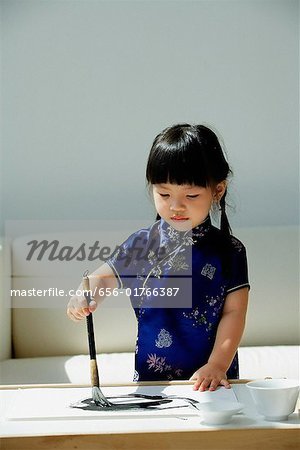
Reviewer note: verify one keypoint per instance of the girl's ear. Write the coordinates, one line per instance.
(220, 190)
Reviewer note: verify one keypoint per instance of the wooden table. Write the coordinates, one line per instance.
(247, 431)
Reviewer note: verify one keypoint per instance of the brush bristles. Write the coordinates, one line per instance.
(98, 398)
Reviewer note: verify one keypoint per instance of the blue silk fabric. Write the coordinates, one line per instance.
(177, 328)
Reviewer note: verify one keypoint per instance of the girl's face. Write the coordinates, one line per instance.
(185, 206)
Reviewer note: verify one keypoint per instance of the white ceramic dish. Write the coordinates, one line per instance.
(218, 413)
(274, 398)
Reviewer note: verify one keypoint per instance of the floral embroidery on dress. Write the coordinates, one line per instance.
(114, 258)
(140, 311)
(237, 244)
(173, 234)
(177, 263)
(164, 339)
(214, 306)
(216, 303)
(196, 317)
(156, 272)
(188, 240)
(208, 271)
(152, 257)
(158, 364)
(198, 234)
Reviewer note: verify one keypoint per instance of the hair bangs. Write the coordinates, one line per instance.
(183, 166)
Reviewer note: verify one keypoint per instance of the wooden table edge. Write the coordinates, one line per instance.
(229, 439)
(129, 383)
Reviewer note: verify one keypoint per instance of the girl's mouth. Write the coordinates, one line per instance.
(179, 218)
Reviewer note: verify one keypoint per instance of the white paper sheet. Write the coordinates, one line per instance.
(54, 403)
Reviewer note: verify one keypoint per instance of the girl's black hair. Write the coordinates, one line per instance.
(189, 154)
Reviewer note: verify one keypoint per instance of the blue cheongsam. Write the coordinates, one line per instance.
(178, 282)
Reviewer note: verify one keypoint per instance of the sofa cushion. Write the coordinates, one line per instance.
(113, 368)
(278, 361)
(255, 362)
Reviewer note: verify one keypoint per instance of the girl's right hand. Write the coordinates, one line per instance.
(78, 308)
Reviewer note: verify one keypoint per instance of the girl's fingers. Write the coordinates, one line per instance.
(201, 384)
(78, 308)
(72, 315)
(205, 384)
(92, 306)
(196, 386)
(81, 304)
(224, 382)
(76, 315)
(86, 307)
(213, 385)
(198, 382)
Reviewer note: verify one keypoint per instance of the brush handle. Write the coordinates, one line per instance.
(94, 373)
(92, 349)
(86, 288)
(91, 336)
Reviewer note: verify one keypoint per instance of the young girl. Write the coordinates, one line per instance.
(192, 330)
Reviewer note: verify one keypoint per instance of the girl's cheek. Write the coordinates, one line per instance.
(158, 204)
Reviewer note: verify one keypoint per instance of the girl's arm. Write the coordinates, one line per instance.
(229, 334)
(103, 278)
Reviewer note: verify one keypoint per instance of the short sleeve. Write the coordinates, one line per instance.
(121, 264)
(129, 260)
(239, 267)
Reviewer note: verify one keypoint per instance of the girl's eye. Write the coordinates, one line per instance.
(164, 195)
(193, 196)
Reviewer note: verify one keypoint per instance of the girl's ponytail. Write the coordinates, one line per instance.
(224, 225)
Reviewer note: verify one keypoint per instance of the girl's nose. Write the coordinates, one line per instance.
(177, 206)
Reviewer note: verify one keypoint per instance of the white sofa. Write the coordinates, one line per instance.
(39, 344)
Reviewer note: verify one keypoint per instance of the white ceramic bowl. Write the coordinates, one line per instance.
(274, 398)
(218, 413)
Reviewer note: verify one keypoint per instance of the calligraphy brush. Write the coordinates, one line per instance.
(97, 395)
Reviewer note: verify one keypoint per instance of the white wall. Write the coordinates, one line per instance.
(86, 86)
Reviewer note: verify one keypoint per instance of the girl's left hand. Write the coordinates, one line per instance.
(209, 377)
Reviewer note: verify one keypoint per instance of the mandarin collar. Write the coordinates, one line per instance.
(169, 235)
